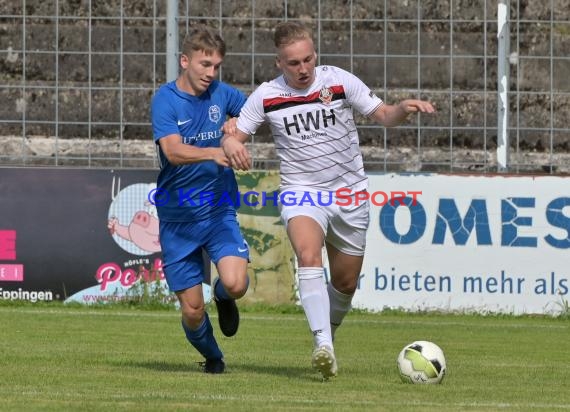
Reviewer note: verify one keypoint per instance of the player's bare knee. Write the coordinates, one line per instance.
(309, 258)
(238, 293)
(236, 286)
(345, 285)
(192, 314)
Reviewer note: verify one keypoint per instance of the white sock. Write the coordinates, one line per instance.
(315, 301)
(340, 305)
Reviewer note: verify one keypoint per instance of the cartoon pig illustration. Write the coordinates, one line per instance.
(142, 230)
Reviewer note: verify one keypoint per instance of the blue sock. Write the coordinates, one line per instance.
(203, 339)
(220, 292)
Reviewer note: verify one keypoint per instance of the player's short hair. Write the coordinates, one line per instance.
(202, 38)
(290, 31)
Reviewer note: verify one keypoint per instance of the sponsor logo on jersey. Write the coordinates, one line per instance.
(215, 134)
(305, 120)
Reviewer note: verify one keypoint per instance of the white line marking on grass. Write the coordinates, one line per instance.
(463, 405)
(280, 399)
(124, 399)
(105, 312)
(267, 400)
(503, 405)
(435, 322)
(490, 322)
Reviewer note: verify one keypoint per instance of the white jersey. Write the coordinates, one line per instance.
(314, 131)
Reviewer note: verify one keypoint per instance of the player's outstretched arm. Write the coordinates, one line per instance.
(179, 153)
(393, 115)
(235, 150)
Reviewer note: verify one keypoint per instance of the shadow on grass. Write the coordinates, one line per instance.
(297, 373)
(288, 371)
(162, 366)
(192, 367)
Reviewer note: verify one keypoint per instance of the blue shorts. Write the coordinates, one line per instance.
(182, 244)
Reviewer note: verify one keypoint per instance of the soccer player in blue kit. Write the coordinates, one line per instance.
(187, 119)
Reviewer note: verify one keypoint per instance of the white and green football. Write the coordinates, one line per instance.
(421, 362)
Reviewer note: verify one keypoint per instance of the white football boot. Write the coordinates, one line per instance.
(324, 361)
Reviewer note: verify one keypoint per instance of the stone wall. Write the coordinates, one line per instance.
(77, 87)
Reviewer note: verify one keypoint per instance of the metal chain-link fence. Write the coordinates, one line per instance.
(77, 77)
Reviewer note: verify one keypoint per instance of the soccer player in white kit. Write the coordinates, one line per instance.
(310, 112)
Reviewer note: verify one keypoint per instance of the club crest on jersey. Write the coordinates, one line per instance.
(214, 113)
(326, 95)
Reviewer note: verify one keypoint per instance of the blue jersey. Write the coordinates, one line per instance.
(201, 190)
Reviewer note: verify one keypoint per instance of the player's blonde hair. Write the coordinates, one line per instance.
(289, 32)
(202, 38)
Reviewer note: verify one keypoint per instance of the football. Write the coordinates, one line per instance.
(421, 362)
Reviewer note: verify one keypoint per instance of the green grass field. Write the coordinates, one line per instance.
(87, 359)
